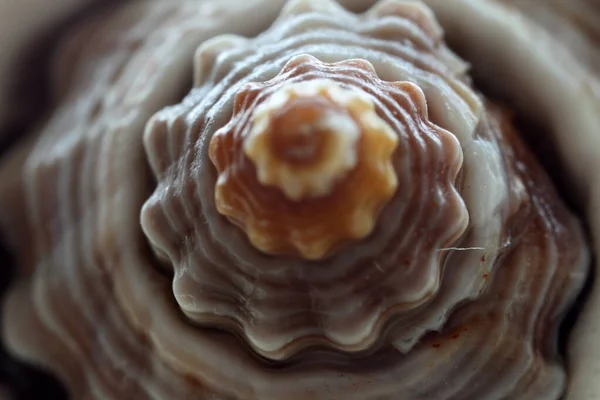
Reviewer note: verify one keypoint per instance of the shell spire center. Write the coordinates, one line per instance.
(306, 162)
(303, 138)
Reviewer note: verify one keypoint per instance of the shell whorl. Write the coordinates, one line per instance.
(193, 252)
(404, 271)
(337, 192)
(303, 139)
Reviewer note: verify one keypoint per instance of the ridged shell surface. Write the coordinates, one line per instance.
(159, 262)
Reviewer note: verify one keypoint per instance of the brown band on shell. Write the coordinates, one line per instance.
(324, 150)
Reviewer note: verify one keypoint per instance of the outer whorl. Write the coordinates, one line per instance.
(411, 248)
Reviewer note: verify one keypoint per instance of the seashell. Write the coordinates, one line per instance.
(304, 199)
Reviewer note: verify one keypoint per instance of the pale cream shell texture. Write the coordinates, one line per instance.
(134, 286)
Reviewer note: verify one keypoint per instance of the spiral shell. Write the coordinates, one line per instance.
(172, 249)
